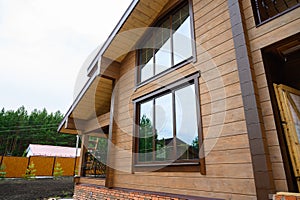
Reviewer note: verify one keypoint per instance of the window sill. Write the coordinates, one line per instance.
(193, 166)
(153, 78)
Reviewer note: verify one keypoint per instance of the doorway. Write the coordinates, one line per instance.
(282, 67)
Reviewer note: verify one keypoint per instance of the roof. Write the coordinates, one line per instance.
(133, 24)
(49, 150)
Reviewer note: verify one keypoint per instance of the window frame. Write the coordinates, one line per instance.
(148, 34)
(193, 165)
(257, 13)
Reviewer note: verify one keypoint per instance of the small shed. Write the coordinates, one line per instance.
(50, 150)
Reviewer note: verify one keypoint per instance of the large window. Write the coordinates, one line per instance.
(95, 153)
(168, 45)
(168, 125)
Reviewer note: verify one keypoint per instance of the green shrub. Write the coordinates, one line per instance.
(2, 171)
(30, 172)
(58, 171)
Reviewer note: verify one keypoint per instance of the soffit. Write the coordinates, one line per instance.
(96, 100)
(143, 15)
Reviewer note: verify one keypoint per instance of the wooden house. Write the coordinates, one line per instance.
(175, 77)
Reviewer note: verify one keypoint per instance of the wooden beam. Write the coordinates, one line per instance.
(109, 68)
(74, 124)
(96, 123)
(70, 131)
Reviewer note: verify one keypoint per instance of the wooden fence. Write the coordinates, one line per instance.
(16, 166)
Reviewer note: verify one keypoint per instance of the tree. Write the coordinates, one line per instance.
(30, 172)
(145, 139)
(58, 171)
(195, 143)
(2, 171)
(18, 129)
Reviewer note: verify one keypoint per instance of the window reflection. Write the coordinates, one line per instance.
(147, 60)
(163, 53)
(160, 117)
(164, 127)
(186, 123)
(169, 45)
(182, 39)
(146, 132)
(147, 70)
(94, 160)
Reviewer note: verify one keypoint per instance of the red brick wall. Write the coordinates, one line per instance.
(85, 191)
(287, 196)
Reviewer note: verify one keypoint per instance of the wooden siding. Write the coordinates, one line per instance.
(228, 162)
(260, 37)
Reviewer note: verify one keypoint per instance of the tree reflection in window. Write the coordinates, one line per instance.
(168, 128)
(186, 122)
(146, 132)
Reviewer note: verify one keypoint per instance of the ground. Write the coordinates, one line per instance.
(13, 189)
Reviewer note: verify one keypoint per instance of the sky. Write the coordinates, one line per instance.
(43, 45)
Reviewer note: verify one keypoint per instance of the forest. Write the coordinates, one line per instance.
(19, 128)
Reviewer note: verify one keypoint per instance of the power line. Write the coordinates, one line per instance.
(27, 129)
(33, 125)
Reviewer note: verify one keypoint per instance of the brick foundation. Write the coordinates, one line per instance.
(86, 191)
(286, 196)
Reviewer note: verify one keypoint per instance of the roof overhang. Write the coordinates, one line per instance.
(92, 101)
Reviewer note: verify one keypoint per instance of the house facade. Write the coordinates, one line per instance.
(192, 99)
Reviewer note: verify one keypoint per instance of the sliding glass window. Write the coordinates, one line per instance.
(168, 126)
(167, 45)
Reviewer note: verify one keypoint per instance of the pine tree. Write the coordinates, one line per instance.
(58, 171)
(19, 128)
(2, 171)
(30, 172)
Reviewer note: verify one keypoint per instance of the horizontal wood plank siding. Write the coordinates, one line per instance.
(260, 37)
(222, 113)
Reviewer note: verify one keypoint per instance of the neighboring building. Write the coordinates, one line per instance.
(155, 97)
(49, 150)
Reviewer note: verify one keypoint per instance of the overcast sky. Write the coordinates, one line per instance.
(43, 44)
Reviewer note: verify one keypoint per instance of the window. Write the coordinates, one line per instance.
(266, 10)
(94, 155)
(168, 45)
(168, 125)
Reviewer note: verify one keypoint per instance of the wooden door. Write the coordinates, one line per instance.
(288, 100)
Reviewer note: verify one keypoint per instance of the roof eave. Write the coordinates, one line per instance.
(113, 33)
(95, 60)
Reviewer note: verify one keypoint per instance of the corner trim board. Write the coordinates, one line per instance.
(261, 163)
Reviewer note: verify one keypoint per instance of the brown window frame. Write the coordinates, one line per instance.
(192, 165)
(258, 11)
(148, 34)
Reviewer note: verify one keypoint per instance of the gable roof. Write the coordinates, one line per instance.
(134, 23)
(49, 150)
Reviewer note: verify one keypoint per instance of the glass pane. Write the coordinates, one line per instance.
(163, 48)
(186, 123)
(95, 158)
(146, 60)
(182, 39)
(296, 101)
(147, 70)
(164, 128)
(146, 132)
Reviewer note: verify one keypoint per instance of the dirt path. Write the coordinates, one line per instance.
(35, 189)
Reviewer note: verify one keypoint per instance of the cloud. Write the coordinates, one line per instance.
(43, 44)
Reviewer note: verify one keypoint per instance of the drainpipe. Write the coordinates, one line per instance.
(77, 142)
